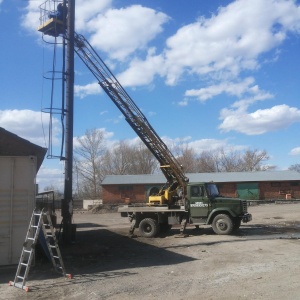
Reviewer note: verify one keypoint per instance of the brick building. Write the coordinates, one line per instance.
(119, 189)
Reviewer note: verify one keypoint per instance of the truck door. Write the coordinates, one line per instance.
(198, 201)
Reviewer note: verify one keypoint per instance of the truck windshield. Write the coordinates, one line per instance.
(212, 190)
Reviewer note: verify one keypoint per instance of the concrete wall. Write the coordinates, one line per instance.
(88, 204)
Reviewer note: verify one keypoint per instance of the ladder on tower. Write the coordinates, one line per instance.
(40, 222)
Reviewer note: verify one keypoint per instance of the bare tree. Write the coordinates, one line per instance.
(295, 167)
(116, 161)
(187, 158)
(207, 162)
(221, 160)
(88, 162)
(58, 194)
(126, 159)
(93, 161)
(252, 160)
(142, 161)
(230, 160)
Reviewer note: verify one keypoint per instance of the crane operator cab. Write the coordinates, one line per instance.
(53, 17)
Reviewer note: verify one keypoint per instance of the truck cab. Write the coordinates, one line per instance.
(207, 206)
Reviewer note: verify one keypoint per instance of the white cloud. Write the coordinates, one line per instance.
(116, 120)
(31, 18)
(30, 125)
(183, 102)
(238, 118)
(247, 89)
(219, 47)
(170, 141)
(260, 121)
(243, 104)
(207, 145)
(142, 72)
(201, 145)
(152, 113)
(48, 177)
(108, 135)
(89, 10)
(85, 11)
(83, 91)
(231, 41)
(120, 32)
(295, 151)
(234, 89)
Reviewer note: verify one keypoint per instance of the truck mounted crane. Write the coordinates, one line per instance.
(178, 201)
(175, 188)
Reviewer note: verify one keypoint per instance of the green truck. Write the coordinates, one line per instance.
(203, 206)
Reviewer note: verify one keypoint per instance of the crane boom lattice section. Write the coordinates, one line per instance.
(136, 119)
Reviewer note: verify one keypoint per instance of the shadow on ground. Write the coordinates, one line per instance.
(99, 253)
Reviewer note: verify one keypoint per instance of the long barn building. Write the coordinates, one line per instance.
(120, 189)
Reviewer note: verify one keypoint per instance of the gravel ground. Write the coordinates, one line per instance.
(260, 261)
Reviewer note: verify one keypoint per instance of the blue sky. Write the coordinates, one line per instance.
(207, 73)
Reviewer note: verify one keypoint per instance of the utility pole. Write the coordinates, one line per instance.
(67, 203)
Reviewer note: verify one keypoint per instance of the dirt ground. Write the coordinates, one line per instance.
(260, 261)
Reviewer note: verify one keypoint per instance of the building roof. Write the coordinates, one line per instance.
(13, 145)
(205, 177)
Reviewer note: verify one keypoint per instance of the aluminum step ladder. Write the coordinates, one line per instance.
(39, 220)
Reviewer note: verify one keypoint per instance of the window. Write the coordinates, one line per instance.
(196, 191)
(212, 190)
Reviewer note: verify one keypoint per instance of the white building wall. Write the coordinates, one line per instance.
(17, 200)
(88, 204)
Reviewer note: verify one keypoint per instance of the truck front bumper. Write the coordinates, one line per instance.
(246, 218)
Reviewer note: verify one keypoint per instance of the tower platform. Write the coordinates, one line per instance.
(52, 27)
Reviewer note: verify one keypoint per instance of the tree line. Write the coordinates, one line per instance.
(93, 160)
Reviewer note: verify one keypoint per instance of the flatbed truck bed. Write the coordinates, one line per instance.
(147, 208)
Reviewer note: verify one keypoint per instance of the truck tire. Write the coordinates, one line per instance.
(222, 224)
(148, 227)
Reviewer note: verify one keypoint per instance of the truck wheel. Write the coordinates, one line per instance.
(222, 224)
(148, 227)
